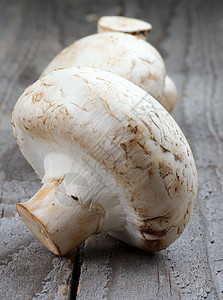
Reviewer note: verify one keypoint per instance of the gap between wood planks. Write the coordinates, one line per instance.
(77, 263)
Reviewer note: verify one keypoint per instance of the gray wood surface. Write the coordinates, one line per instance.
(189, 35)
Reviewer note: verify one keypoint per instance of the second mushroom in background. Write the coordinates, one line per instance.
(121, 48)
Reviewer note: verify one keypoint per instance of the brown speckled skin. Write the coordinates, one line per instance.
(105, 115)
(122, 54)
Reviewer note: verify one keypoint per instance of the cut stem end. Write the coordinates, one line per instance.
(37, 228)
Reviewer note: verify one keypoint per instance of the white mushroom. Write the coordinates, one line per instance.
(133, 26)
(122, 54)
(127, 56)
(140, 29)
(110, 157)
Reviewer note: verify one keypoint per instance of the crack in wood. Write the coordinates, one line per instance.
(2, 213)
(1, 202)
(122, 5)
(77, 262)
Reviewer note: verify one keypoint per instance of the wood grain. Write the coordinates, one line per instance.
(189, 35)
(31, 34)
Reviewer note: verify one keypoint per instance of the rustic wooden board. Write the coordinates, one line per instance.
(31, 34)
(189, 36)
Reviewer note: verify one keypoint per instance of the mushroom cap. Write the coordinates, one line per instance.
(122, 54)
(124, 24)
(137, 164)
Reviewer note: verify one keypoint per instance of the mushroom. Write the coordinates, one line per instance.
(133, 26)
(140, 29)
(110, 157)
(122, 54)
(118, 52)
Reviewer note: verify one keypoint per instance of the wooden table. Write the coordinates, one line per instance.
(189, 35)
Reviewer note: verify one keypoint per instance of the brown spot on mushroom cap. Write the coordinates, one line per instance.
(124, 147)
(165, 169)
(178, 156)
(37, 97)
(164, 148)
(133, 128)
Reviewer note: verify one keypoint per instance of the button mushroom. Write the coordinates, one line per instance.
(110, 157)
(140, 29)
(122, 54)
(118, 52)
(133, 26)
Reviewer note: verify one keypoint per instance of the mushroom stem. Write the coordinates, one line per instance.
(58, 221)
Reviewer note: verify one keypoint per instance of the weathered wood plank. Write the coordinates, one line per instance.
(189, 35)
(27, 269)
(31, 33)
(113, 270)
